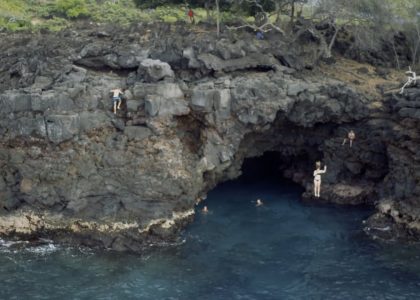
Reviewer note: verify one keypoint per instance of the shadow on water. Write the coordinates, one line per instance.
(282, 250)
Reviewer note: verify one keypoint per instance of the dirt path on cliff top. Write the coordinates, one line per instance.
(364, 77)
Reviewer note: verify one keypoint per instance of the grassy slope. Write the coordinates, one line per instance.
(362, 76)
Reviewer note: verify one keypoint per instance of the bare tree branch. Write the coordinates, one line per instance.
(266, 26)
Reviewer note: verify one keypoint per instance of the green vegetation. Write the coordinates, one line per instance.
(71, 8)
(368, 21)
(54, 15)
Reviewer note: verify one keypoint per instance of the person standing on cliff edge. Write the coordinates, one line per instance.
(191, 15)
(116, 99)
(317, 178)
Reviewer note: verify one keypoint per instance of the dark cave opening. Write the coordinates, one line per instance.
(96, 65)
(274, 167)
(266, 166)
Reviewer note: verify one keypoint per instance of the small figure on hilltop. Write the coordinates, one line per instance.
(259, 203)
(351, 136)
(116, 99)
(317, 178)
(410, 80)
(191, 15)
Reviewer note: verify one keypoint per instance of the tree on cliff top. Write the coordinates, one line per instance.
(363, 16)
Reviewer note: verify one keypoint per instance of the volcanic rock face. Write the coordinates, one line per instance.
(194, 108)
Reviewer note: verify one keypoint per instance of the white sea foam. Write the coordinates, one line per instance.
(8, 244)
(43, 249)
(14, 246)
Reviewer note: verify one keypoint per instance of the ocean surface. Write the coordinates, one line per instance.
(285, 249)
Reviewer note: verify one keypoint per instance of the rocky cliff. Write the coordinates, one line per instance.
(194, 108)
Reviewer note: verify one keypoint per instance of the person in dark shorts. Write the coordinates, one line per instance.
(116, 99)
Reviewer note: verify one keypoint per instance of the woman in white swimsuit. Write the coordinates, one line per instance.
(317, 178)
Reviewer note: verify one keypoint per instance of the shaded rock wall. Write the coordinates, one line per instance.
(194, 107)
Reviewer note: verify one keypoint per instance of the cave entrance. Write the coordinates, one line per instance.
(273, 166)
(269, 172)
(264, 167)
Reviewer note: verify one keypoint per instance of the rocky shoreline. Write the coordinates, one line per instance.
(194, 108)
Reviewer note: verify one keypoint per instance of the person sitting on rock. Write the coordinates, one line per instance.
(116, 99)
(410, 79)
(350, 136)
(317, 179)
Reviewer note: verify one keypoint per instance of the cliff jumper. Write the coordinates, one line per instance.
(116, 99)
(317, 178)
(410, 80)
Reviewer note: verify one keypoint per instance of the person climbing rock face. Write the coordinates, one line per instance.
(317, 178)
(351, 136)
(116, 99)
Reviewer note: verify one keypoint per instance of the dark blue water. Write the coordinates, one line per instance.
(283, 250)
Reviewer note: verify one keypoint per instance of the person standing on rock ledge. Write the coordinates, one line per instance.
(116, 99)
(350, 136)
(317, 179)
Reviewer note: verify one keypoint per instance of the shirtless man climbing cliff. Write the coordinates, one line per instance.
(116, 99)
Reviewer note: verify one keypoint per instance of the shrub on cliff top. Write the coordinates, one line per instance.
(71, 8)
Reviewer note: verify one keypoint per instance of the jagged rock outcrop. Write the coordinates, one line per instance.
(194, 107)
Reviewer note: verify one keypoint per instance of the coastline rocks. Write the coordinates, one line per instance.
(74, 171)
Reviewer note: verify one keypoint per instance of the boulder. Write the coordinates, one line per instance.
(222, 103)
(160, 106)
(189, 54)
(154, 70)
(15, 102)
(62, 127)
(133, 105)
(203, 100)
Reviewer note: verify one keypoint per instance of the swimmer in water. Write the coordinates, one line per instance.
(198, 200)
(259, 203)
(205, 210)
